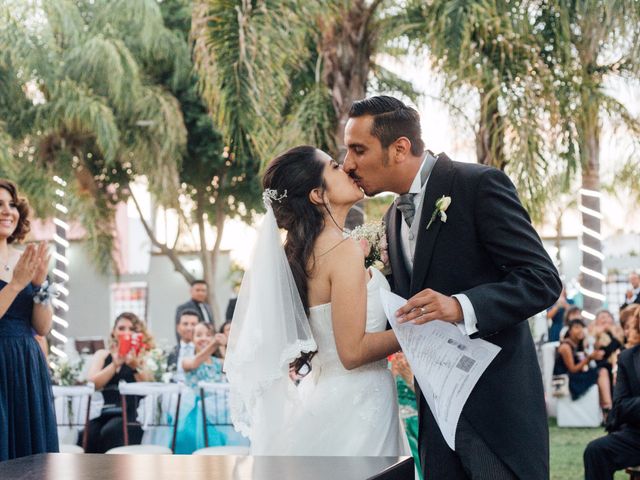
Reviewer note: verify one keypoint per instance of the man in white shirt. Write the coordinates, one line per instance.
(185, 347)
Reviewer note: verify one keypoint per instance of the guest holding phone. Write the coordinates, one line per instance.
(122, 362)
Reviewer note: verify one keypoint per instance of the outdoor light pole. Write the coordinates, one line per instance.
(591, 284)
(61, 277)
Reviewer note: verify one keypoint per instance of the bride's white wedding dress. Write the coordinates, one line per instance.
(347, 412)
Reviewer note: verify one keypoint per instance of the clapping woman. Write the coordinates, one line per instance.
(27, 418)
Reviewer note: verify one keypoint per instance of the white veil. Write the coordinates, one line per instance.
(269, 330)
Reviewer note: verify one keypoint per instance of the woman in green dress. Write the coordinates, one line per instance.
(407, 403)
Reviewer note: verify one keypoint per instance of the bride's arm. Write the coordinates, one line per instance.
(348, 279)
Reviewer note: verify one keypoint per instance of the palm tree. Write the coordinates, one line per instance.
(91, 114)
(276, 73)
(588, 43)
(489, 57)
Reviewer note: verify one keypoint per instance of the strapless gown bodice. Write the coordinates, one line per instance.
(346, 412)
(327, 360)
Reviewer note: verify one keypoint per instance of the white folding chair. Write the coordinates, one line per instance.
(215, 412)
(73, 407)
(152, 391)
(584, 412)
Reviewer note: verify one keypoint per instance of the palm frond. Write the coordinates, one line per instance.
(242, 52)
(384, 80)
(107, 67)
(65, 22)
(158, 145)
(74, 109)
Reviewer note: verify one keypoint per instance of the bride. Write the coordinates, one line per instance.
(312, 304)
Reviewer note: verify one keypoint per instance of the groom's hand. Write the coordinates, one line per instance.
(430, 305)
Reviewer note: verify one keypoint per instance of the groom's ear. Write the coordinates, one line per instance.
(400, 149)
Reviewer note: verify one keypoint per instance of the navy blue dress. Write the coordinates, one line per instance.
(27, 417)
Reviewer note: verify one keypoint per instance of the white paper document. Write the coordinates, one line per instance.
(446, 363)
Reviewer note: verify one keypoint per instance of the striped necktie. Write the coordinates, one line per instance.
(405, 202)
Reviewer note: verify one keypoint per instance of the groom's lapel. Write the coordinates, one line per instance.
(396, 258)
(439, 184)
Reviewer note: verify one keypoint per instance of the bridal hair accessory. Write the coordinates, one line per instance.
(270, 195)
(270, 330)
(45, 292)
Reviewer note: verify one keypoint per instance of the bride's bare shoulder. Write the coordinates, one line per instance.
(347, 257)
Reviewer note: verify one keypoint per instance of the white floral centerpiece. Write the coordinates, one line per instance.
(155, 362)
(373, 240)
(67, 371)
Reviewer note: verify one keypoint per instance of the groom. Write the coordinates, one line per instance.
(480, 266)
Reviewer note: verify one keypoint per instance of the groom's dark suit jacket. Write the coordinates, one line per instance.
(489, 251)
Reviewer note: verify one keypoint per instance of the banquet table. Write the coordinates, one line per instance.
(54, 466)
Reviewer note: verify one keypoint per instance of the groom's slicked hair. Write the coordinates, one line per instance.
(392, 119)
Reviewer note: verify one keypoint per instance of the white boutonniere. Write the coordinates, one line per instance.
(441, 207)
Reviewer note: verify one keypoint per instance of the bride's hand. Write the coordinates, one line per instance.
(429, 305)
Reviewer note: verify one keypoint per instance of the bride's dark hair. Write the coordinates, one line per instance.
(297, 172)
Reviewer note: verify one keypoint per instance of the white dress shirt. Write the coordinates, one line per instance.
(408, 238)
(187, 350)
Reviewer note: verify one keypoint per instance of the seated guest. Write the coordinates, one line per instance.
(185, 347)
(204, 366)
(627, 314)
(555, 313)
(572, 313)
(632, 296)
(621, 447)
(140, 326)
(224, 329)
(108, 369)
(572, 360)
(605, 335)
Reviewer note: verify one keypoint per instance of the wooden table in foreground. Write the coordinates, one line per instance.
(66, 466)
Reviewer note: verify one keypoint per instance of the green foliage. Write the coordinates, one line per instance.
(587, 43)
(488, 48)
(264, 76)
(218, 182)
(567, 446)
(81, 95)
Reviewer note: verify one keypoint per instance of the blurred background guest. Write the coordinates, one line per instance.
(621, 448)
(604, 334)
(633, 294)
(199, 292)
(207, 367)
(185, 347)
(556, 315)
(108, 369)
(628, 319)
(27, 418)
(571, 359)
(224, 329)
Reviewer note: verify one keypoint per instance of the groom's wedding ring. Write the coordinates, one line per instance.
(423, 311)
